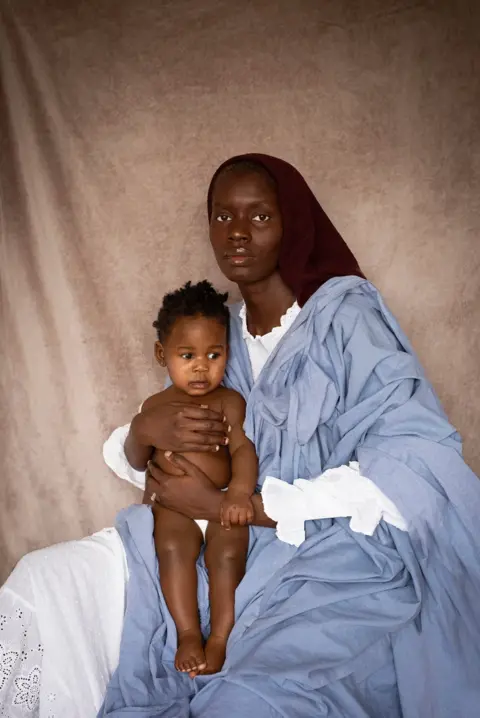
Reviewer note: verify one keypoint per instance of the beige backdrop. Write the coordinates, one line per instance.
(113, 117)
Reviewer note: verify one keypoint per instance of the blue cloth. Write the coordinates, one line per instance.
(345, 625)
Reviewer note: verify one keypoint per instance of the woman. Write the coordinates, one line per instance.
(347, 624)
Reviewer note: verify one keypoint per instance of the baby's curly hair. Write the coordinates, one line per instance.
(191, 300)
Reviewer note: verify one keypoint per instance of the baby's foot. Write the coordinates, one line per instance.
(215, 651)
(190, 656)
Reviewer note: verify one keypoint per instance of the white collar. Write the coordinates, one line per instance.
(285, 322)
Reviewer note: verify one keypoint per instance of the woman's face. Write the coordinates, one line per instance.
(245, 226)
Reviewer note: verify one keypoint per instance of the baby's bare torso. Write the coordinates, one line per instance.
(215, 465)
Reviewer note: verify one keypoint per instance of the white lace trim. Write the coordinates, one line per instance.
(286, 322)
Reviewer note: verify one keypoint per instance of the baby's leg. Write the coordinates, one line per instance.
(225, 558)
(178, 541)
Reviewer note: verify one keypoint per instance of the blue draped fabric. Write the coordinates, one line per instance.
(386, 626)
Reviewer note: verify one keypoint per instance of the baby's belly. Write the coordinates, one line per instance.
(214, 465)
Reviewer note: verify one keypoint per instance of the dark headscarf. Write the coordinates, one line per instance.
(312, 250)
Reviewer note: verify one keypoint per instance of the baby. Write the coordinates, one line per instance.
(192, 328)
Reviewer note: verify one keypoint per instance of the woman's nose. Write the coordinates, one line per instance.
(239, 231)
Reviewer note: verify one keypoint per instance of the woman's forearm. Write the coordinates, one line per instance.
(261, 518)
(193, 494)
(211, 510)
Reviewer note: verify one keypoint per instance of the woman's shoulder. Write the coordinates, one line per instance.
(365, 318)
(359, 309)
(360, 303)
(344, 298)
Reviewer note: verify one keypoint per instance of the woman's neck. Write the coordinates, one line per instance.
(266, 303)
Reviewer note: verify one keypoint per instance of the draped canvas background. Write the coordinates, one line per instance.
(113, 117)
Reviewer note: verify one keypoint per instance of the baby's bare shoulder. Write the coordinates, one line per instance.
(232, 398)
(162, 397)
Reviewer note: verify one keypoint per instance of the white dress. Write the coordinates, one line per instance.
(61, 610)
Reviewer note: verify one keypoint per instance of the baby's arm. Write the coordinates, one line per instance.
(236, 505)
(138, 447)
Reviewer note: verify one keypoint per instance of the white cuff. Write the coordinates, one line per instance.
(115, 459)
(337, 493)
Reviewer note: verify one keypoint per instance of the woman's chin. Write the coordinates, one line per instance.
(238, 274)
(241, 275)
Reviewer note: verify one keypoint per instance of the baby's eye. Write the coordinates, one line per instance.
(223, 218)
(261, 217)
(213, 355)
(188, 356)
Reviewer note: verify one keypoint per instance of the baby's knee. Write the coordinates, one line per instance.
(225, 550)
(177, 545)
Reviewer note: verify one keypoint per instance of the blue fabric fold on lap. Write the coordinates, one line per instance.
(345, 625)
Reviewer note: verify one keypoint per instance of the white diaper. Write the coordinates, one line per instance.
(203, 525)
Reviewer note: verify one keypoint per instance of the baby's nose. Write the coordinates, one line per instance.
(201, 365)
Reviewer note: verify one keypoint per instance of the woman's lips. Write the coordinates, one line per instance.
(239, 259)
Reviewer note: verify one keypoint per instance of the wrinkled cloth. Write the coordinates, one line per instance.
(347, 624)
(334, 494)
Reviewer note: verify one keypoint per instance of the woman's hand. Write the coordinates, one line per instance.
(180, 427)
(191, 494)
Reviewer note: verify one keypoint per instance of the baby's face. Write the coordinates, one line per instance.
(195, 354)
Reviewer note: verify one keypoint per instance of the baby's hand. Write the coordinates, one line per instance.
(236, 509)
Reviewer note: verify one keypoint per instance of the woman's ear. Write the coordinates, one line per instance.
(159, 354)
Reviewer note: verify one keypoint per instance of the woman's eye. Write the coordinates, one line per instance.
(213, 355)
(187, 356)
(261, 217)
(223, 218)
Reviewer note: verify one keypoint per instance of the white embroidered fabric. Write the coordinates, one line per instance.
(61, 618)
(21, 652)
